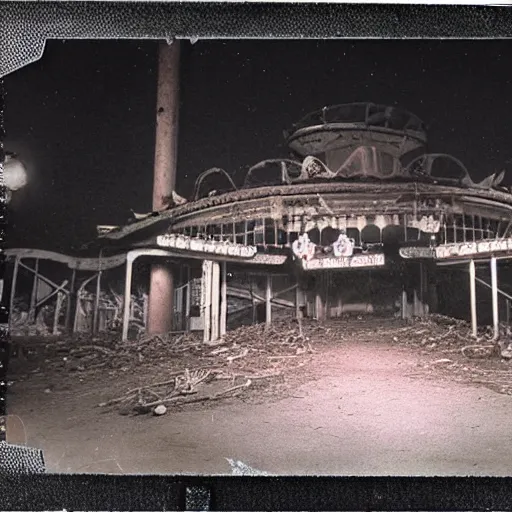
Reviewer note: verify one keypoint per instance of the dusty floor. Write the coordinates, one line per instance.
(374, 407)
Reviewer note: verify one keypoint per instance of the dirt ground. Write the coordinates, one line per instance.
(355, 397)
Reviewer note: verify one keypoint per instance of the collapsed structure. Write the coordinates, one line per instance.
(359, 218)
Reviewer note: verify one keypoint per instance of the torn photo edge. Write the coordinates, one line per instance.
(26, 26)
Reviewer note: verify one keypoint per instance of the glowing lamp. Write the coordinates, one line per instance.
(15, 175)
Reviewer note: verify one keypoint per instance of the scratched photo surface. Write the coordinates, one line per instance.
(261, 257)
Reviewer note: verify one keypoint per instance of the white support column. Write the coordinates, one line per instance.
(416, 304)
(297, 301)
(268, 301)
(426, 288)
(56, 314)
(224, 299)
(215, 300)
(405, 305)
(339, 308)
(494, 287)
(206, 299)
(13, 290)
(95, 316)
(472, 298)
(127, 295)
(318, 305)
(187, 304)
(71, 299)
(422, 294)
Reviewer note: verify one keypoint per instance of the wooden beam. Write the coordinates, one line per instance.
(268, 301)
(95, 319)
(472, 298)
(404, 304)
(56, 315)
(289, 289)
(59, 289)
(43, 278)
(78, 296)
(127, 296)
(422, 288)
(215, 301)
(33, 295)
(257, 299)
(13, 290)
(297, 302)
(71, 298)
(187, 305)
(494, 285)
(224, 300)
(206, 296)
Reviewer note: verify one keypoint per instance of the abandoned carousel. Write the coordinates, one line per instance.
(359, 219)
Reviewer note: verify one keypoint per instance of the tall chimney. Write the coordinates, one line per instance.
(161, 288)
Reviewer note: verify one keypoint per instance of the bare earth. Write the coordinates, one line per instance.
(382, 402)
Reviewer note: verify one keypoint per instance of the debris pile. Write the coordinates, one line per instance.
(480, 360)
(244, 357)
(175, 369)
(192, 371)
(110, 311)
(40, 323)
(453, 335)
(176, 391)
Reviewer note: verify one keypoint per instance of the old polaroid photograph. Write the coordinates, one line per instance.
(261, 257)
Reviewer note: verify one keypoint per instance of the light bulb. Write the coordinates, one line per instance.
(15, 173)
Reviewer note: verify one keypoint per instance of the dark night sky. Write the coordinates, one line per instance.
(83, 116)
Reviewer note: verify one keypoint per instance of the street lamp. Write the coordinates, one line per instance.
(14, 176)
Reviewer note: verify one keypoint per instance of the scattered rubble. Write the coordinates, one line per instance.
(160, 410)
(260, 358)
(41, 321)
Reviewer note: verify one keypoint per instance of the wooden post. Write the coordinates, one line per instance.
(426, 289)
(95, 316)
(127, 296)
(494, 285)
(416, 303)
(253, 299)
(75, 316)
(145, 311)
(472, 298)
(297, 301)
(320, 305)
(13, 289)
(404, 303)
(33, 295)
(206, 299)
(224, 300)
(187, 305)
(268, 302)
(215, 300)
(71, 298)
(422, 295)
(58, 307)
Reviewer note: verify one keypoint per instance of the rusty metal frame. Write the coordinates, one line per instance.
(494, 200)
(209, 172)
